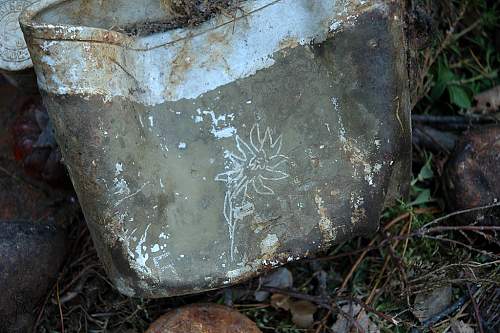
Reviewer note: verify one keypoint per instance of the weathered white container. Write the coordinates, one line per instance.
(203, 156)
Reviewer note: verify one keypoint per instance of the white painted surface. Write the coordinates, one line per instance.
(172, 66)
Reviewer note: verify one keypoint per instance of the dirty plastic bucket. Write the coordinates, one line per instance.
(202, 156)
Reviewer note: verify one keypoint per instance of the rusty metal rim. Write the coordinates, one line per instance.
(63, 31)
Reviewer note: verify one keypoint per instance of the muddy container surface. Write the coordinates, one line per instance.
(203, 156)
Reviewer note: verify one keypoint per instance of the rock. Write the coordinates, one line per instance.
(203, 318)
(30, 257)
(472, 176)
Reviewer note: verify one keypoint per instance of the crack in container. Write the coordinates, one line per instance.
(203, 156)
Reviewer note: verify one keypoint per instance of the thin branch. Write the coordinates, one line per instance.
(460, 212)
(476, 309)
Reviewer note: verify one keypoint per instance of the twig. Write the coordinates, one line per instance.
(476, 309)
(42, 309)
(352, 320)
(462, 228)
(386, 262)
(389, 225)
(450, 120)
(486, 253)
(446, 312)
(321, 301)
(370, 309)
(60, 307)
(460, 212)
(399, 266)
(326, 301)
(356, 265)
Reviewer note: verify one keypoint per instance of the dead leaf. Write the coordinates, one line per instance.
(281, 278)
(488, 101)
(303, 313)
(460, 327)
(345, 325)
(280, 301)
(428, 305)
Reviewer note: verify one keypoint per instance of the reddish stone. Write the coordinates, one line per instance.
(472, 176)
(203, 318)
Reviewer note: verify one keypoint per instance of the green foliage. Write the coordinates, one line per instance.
(421, 194)
(466, 56)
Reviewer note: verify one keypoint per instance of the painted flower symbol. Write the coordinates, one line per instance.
(255, 165)
(251, 169)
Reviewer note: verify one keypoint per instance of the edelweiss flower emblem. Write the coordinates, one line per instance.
(250, 172)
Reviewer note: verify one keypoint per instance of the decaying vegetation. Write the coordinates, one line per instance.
(185, 13)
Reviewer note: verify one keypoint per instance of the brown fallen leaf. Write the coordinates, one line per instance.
(488, 101)
(203, 318)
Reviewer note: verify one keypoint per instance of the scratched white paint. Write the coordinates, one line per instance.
(250, 170)
(141, 255)
(221, 129)
(226, 132)
(118, 168)
(127, 193)
(121, 186)
(197, 119)
(149, 60)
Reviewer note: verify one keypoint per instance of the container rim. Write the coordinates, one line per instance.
(66, 32)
